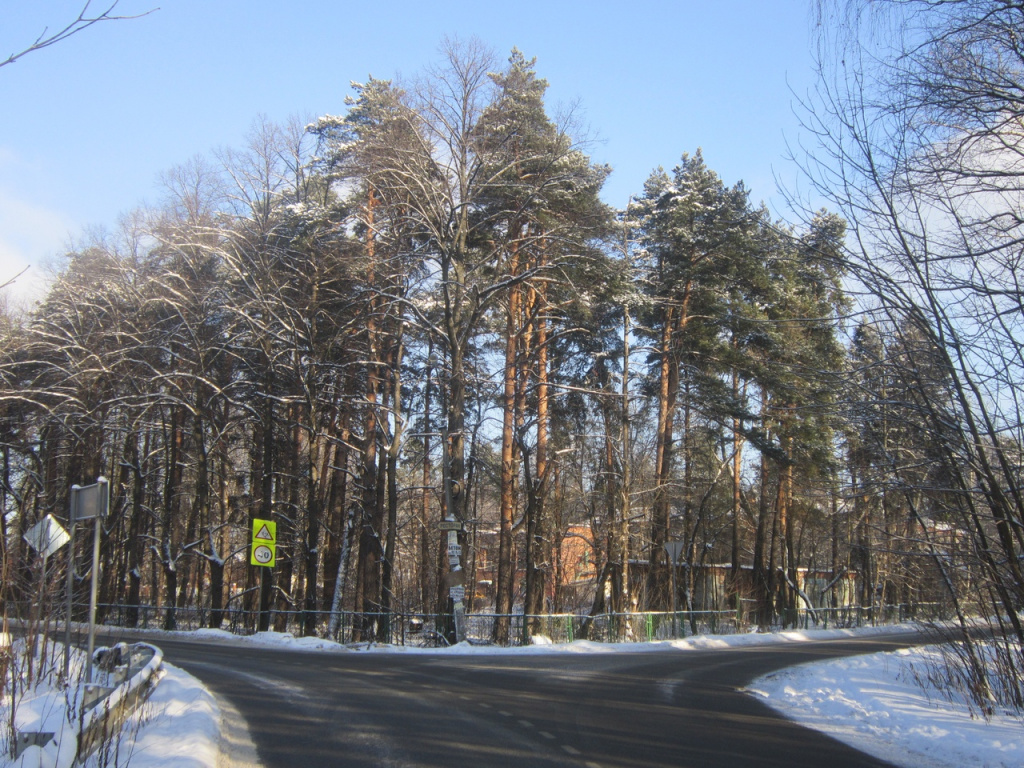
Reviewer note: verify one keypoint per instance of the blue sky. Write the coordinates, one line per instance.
(87, 126)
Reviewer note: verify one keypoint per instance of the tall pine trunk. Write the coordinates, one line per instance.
(505, 583)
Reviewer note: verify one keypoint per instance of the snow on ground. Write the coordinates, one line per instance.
(878, 704)
(541, 645)
(179, 726)
(872, 702)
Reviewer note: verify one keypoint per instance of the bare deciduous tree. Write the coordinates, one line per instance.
(83, 21)
(917, 122)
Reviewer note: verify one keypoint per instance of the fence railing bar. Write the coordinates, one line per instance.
(414, 628)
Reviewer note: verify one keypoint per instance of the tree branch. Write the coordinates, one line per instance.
(83, 21)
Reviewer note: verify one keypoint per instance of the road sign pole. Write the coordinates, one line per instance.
(70, 589)
(45, 537)
(454, 562)
(92, 501)
(42, 595)
(673, 549)
(103, 488)
(93, 592)
(72, 519)
(675, 602)
(263, 554)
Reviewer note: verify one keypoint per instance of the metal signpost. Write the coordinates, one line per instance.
(456, 577)
(674, 549)
(263, 554)
(46, 537)
(452, 526)
(89, 502)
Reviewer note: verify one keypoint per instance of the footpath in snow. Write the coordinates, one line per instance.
(875, 703)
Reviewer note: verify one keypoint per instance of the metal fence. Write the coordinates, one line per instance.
(401, 628)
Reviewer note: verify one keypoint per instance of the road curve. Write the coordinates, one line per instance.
(670, 709)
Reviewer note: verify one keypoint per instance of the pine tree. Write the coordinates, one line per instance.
(695, 235)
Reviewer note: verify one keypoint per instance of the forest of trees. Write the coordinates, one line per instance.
(421, 310)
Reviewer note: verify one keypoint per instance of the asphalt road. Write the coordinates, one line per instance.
(678, 709)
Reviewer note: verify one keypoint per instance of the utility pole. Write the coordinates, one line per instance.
(456, 582)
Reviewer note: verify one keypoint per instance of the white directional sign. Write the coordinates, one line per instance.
(47, 536)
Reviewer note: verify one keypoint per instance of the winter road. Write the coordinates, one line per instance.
(664, 709)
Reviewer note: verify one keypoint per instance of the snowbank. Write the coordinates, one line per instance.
(544, 646)
(179, 727)
(877, 704)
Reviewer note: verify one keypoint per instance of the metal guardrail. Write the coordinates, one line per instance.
(135, 669)
(102, 710)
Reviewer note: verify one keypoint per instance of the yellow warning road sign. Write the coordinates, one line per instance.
(264, 543)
